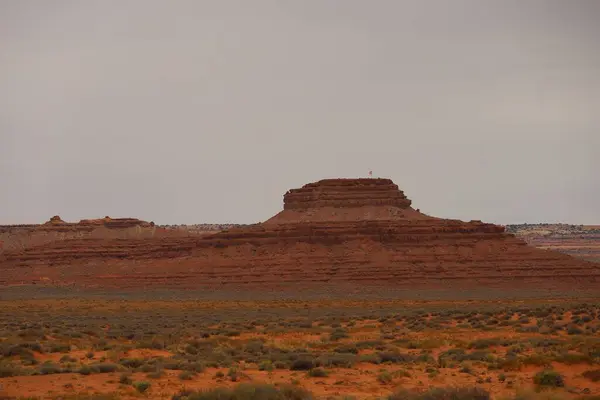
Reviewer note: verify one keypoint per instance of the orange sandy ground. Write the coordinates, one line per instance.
(360, 381)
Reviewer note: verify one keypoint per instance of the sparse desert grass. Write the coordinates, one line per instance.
(455, 393)
(247, 392)
(140, 348)
(549, 378)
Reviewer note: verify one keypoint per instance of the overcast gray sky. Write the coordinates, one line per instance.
(208, 111)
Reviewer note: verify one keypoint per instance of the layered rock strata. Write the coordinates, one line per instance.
(336, 233)
(346, 193)
(20, 237)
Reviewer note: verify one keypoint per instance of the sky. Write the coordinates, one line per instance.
(208, 111)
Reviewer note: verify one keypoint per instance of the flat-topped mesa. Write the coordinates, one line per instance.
(20, 237)
(346, 193)
(116, 223)
(335, 237)
(57, 224)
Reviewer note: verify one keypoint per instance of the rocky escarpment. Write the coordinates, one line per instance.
(346, 193)
(353, 234)
(20, 237)
(57, 224)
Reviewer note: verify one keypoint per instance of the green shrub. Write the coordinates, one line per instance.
(32, 346)
(151, 344)
(266, 365)
(302, 365)
(60, 348)
(67, 359)
(49, 368)
(549, 378)
(8, 369)
(104, 368)
(317, 373)
(425, 358)
(396, 358)
(338, 334)
(194, 367)
(347, 349)
(147, 368)
(465, 369)
(509, 364)
(233, 374)
(131, 362)
(573, 330)
(370, 344)
(343, 360)
(19, 350)
(247, 391)
(141, 386)
(280, 365)
(385, 377)
(85, 370)
(370, 358)
(186, 375)
(125, 379)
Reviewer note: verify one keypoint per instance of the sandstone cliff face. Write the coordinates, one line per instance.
(346, 193)
(335, 233)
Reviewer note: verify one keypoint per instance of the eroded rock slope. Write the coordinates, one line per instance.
(344, 236)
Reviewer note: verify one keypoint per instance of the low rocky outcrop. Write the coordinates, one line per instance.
(20, 237)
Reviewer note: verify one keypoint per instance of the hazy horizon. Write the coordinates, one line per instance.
(209, 111)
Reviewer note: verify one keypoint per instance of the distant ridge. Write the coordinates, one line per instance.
(582, 241)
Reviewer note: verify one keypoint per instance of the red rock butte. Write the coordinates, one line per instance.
(334, 238)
